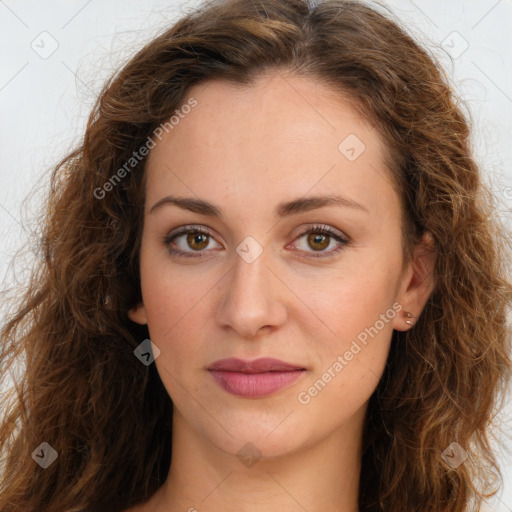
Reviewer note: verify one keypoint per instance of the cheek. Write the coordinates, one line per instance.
(170, 291)
(358, 313)
(175, 319)
(350, 303)
(351, 363)
(170, 303)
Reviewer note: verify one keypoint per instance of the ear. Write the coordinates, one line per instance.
(137, 314)
(418, 283)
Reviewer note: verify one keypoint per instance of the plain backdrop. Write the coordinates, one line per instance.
(55, 56)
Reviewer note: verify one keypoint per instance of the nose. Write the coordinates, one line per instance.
(253, 298)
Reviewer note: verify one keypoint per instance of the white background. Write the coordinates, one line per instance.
(45, 99)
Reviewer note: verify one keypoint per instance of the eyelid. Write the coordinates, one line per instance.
(184, 230)
(312, 228)
(318, 226)
(328, 231)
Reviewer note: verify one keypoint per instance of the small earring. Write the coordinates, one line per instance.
(407, 314)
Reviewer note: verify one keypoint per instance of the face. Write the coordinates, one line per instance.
(268, 272)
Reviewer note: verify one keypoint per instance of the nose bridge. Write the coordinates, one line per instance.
(249, 300)
(249, 270)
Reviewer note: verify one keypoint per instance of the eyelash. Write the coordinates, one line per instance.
(317, 229)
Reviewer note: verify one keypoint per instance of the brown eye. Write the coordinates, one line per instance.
(197, 241)
(318, 241)
(197, 238)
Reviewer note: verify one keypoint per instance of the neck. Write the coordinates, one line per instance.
(321, 477)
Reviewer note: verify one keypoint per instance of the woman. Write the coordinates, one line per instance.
(273, 258)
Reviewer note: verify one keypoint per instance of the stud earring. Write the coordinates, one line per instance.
(408, 315)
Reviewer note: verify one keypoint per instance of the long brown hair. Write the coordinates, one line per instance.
(108, 416)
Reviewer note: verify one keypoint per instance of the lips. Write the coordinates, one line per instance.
(265, 364)
(254, 379)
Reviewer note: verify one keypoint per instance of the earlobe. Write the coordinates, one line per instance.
(137, 314)
(418, 283)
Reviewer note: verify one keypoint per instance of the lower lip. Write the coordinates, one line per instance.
(255, 385)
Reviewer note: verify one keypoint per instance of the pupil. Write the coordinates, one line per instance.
(317, 239)
(196, 239)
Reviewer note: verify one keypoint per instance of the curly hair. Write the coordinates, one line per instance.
(83, 391)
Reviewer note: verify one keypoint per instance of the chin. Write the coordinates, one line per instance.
(253, 436)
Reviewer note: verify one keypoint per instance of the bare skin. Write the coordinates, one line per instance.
(246, 150)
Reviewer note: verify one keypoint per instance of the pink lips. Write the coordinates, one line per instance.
(254, 379)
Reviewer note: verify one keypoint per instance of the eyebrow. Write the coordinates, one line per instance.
(284, 209)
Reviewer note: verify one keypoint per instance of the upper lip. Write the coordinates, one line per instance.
(264, 364)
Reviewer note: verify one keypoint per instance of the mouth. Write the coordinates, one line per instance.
(254, 379)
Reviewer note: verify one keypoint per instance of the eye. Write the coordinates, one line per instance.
(319, 237)
(197, 237)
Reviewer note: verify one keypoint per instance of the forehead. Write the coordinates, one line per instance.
(283, 136)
